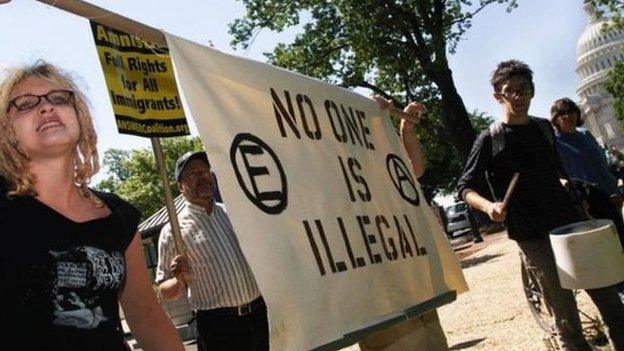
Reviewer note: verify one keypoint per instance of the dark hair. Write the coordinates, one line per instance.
(507, 69)
(565, 104)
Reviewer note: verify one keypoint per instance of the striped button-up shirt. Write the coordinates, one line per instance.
(221, 274)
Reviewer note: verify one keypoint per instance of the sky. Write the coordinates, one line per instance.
(541, 33)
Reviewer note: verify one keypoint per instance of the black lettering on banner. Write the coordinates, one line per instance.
(146, 66)
(355, 261)
(390, 254)
(282, 114)
(166, 103)
(315, 250)
(420, 250)
(326, 252)
(362, 190)
(366, 195)
(402, 179)
(336, 266)
(115, 61)
(406, 248)
(111, 38)
(317, 133)
(352, 126)
(128, 84)
(369, 239)
(150, 84)
(329, 106)
(347, 180)
(365, 130)
(249, 144)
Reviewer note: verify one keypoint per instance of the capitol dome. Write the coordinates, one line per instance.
(597, 52)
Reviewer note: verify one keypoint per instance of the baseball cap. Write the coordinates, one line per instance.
(185, 159)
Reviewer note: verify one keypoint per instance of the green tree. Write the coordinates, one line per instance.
(397, 48)
(443, 162)
(615, 86)
(134, 176)
(614, 11)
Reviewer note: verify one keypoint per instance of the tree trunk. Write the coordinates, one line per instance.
(454, 114)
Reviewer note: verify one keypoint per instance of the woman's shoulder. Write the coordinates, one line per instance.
(587, 135)
(116, 204)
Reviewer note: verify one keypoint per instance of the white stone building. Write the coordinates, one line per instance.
(597, 53)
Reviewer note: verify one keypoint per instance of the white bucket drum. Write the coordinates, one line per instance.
(588, 254)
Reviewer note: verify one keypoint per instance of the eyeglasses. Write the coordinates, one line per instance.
(523, 91)
(29, 101)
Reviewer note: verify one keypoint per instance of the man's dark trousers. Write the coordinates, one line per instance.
(232, 329)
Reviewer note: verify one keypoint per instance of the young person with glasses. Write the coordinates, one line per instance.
(70, 254)
(523, 144)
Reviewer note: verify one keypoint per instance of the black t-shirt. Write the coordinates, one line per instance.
(60, 278)
(539, 202)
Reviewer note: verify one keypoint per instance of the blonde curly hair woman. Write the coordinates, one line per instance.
(72, 254)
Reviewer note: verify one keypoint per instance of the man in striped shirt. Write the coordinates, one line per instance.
(230, 312)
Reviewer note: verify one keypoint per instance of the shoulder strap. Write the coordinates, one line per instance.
(498, 137)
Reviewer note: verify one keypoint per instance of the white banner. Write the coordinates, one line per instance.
(321, 195)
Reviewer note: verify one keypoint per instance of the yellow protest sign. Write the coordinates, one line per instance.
(141, 84)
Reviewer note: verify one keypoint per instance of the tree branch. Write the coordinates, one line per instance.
(438, 36)
(424, 13)
(416, 37)
(378, 90)
(471, 15)
(326, 53)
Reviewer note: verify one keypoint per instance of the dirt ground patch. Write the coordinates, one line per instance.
(494, 314)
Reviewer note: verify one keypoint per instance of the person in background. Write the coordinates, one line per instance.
(615, 160)
(71, 254)
(423, 332)
(519, 143)
(230, 311)
(585, 163)
(440, 213)
(474, 226)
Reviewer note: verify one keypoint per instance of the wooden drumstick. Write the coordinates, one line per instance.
(510, 189)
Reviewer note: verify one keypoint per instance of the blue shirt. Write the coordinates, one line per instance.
(583, 159)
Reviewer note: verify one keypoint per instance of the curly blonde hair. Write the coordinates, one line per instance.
(14, 159)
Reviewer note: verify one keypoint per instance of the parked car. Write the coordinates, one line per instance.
(457, 218)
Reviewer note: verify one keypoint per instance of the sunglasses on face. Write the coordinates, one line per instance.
(523, 91)
(27, 102)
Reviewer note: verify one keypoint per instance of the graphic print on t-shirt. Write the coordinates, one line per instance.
(79, 273)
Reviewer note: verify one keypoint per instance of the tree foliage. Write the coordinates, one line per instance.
(397, 48)
(614, 11)
(615, 86)
(134, 176)
(444, 165)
